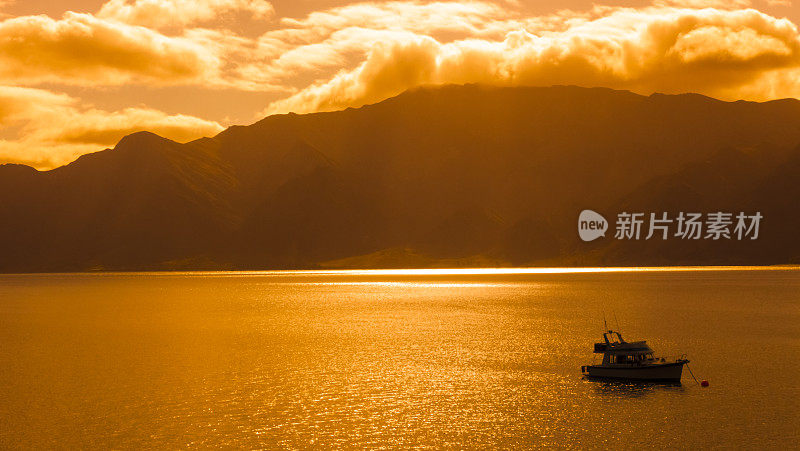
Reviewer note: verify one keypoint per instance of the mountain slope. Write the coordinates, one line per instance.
(454, 172)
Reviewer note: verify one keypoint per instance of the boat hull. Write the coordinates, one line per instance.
(666, 372)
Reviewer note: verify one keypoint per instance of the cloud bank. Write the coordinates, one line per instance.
(82, 50)
(179, 13)
(53, 129)
(363, 53)
(730, 54)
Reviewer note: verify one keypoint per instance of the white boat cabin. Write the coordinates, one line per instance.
(617, 351)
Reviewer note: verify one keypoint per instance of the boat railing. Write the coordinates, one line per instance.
(671, 358)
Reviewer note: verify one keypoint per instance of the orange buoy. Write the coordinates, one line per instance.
(704, 383)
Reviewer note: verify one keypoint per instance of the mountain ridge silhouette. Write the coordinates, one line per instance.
(452, 175)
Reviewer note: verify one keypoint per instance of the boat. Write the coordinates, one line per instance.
(632, 361)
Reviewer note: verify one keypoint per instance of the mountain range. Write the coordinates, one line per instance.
(438, 176)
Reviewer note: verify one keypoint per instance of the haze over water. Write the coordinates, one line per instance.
(392, 358)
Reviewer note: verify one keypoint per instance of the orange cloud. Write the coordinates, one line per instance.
(338, 48)
(170, 13)
(19, 104)
(466, 17)
(39, 155)
(54, 129)
(105, 128)
(698, 4)
(718, 52)
(325, 42)
(81, 49)
(366, 52)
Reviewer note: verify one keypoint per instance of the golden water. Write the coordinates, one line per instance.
(394, 358)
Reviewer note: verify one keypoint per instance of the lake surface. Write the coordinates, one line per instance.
(394, 359)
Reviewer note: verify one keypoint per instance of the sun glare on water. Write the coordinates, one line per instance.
(471, 271)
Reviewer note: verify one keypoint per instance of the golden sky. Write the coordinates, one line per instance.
(76, 76)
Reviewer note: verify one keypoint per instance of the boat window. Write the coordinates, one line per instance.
(626, 358)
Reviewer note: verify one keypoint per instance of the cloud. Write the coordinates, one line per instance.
(18, 103)
(327, 41)
(179, 13)
(54, 129)
(470, 17)
(41, 156)
(337, 49)
(101, 127)
(697, 4)
(80, 49)
(718, 52)
(363, 53)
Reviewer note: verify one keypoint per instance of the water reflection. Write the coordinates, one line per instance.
(363, 360)
(632, 389)
(405, 284)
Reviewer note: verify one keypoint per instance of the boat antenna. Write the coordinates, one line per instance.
(604, 321)
(616, 321)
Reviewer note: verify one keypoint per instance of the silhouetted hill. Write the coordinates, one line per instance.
(435, 176)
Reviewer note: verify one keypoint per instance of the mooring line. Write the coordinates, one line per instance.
(690, 372)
